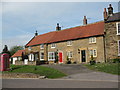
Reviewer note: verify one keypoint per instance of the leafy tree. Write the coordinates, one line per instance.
(14, 49)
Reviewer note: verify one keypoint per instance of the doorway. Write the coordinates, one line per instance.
(60, 57)
(83, 55)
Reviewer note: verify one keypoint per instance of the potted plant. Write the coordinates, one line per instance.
(92, 61)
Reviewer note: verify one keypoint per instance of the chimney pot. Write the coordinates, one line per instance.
(110, 10)
(58, 28)
(84, 21)
(105, 14)
(36, 33)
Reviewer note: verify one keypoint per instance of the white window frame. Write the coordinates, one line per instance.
(53, 56)
(91, 52)
(118, 48)
(29, 48)
(31, 57)
(69, 43)
(92, 40)
(117, 28)
(42, 46)
(69, 54)
(53, 45)
(41, 59)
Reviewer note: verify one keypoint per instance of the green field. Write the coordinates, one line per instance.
(41, 70)
(113, 68)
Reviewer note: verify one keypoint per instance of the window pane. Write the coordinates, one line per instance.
(118, 27)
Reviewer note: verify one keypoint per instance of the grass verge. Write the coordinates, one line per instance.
(113, 68)
(41, 70)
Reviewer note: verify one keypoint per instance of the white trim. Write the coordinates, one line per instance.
(40, 56)
(29, 48)
(53, 44)
(41, 46)
(53, 56)
(118, 48)
(69, 43)
(92, 40)
(92, 51)
(68, 52)
(117, 28)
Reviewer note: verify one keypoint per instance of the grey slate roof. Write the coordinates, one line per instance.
(114, 17)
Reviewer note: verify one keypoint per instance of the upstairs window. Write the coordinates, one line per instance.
(93, 52)
(29, 48)
(69, 43)
(42, 46)
(69, 54)
(41, 55)
(53, 45)
(118, 47)
(92, 40)
(118, 28)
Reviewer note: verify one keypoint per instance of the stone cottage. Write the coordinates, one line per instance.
(77, 44)
(112, 33)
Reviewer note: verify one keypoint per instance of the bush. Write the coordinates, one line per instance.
(117, 60)
(92, 61)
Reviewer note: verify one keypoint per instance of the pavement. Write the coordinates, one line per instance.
(80, 72)
(55, 83)
(78, 77)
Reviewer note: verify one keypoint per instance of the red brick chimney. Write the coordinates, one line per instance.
(105, 14)
(84, 21)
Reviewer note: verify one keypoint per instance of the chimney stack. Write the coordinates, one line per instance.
(84, 21)
(58, 28)
(36, 33)
(110, 10)
(105, 14)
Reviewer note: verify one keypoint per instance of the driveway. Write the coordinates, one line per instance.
(80, 72)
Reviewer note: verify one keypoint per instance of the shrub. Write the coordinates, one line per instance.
(117, 60)
(92, 61)
(68, 60)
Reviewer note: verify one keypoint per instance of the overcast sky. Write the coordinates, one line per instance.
(20, 20)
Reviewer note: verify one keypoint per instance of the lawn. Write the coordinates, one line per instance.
(41, 70)
(112, 68)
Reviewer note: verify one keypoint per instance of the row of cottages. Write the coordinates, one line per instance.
(77, 44)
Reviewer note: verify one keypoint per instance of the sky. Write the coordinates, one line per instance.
(20, 20)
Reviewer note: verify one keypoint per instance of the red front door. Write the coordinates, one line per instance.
(60, 57)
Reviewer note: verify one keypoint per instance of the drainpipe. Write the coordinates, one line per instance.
(104, 41)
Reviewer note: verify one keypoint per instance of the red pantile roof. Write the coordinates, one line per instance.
(69, 34)
(18, 53)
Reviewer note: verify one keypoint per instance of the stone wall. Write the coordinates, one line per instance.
(37, 49)
(82, 44)
(111, 39)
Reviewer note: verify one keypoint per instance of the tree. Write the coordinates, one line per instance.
(14, 49)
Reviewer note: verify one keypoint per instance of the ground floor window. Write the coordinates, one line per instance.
(41, 55)
(31, 57)
(93, 52)
(69, 54)
(118, 47)
(51, 56)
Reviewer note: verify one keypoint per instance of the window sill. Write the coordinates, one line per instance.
(52, 47)
(118, 34)
(69, 45)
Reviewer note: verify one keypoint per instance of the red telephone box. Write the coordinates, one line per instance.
(4, 62)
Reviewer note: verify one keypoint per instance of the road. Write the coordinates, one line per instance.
(40, 83)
